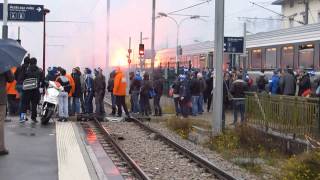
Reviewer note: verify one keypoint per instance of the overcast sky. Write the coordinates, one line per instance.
(83, 44)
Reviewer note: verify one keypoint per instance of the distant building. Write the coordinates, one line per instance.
(296, 10)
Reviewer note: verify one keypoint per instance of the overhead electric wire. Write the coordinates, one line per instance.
(274, 12)
(174, 14)
(189, 7)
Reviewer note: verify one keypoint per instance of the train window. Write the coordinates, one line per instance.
(256, 59)
(271, 58)
(287, 56)
(306, 55)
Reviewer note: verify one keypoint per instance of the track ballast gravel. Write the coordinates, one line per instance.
(156, 158)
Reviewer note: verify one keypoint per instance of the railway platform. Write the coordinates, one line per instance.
(60, 150)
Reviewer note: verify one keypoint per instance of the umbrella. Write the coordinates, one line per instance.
(11, 54)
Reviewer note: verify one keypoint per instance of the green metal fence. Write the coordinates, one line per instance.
(291, 115)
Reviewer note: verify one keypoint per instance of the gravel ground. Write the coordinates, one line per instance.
(157, 159)
(213, 157)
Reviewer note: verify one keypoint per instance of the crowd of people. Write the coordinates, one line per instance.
(141, 90)
(79, 90)
(190, 91)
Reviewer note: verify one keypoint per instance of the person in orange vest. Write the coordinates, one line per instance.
(13, 96)
(73, 87)
(119, 91)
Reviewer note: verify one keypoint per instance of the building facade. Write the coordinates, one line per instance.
(299, 12)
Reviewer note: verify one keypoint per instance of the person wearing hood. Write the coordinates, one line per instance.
(99, 84)
(51, 76)
(88, 91)
(18, 75)
(76, 76)
(119, 90)
(135, 90)
(274, 85)
(32, 79)
(110, 90)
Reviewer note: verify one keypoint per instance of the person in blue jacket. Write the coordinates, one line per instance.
(274, 83)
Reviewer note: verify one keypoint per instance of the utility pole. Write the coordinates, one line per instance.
(153, 34)
(218, 80)
(244, 46)
(5, 20)
(306, 19)
(108, 38)
(19, 40)
(141, 58)
(129, 53)
(45, 12)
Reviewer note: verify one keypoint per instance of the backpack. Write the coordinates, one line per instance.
(31, 80)
(30, 84)
(64, 81)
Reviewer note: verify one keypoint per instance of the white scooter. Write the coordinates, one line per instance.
(50, 101)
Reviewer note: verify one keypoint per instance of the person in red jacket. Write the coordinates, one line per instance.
(119, 90)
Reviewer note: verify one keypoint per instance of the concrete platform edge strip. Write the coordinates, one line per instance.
(91, 160)
(71, 163)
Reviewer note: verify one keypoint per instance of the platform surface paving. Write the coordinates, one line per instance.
(33, 152)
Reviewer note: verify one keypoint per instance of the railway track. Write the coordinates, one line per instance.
(128, 169)
(182, 152)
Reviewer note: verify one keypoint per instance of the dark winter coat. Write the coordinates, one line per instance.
(32, 71)
(65, 83)
(158, 87)
(203, 85)
(135, 84)
(238, 88)
(99, 85)
(145, 88)
(209, 86)
(261, 83)
(4, 78)
(195, 87)
(77, 81)
(304, 84)
(288, 84)
(20, 73)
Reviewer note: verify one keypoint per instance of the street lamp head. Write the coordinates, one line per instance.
(46, 11)
(195, 17)
(161, 14)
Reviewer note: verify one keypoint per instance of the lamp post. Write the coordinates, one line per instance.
(45, 12)
(161, 14)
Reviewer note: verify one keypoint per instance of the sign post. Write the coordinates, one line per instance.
(233, 45)
(23, 12)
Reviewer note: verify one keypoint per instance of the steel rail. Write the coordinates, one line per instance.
(210, 167)
(221, 174)
(135, 167)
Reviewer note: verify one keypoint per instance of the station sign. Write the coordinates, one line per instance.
(23, 12)
(233, 45)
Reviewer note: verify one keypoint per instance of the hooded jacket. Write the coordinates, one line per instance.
(120, 84)
(73, 85)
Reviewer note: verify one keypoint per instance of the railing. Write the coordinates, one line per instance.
(291, 115)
